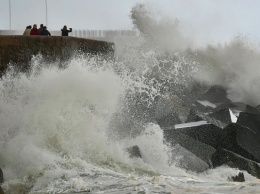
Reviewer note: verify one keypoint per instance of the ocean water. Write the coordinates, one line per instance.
(67, 130)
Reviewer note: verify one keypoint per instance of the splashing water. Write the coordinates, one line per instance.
(67, 130)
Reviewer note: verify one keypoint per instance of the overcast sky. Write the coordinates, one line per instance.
(214, 20)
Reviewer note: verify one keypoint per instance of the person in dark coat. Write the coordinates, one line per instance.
(65, 31)
(45, 32)
(41, 28)
(35, 31)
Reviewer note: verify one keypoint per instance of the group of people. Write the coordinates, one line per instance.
(35, 31)
(43, 30)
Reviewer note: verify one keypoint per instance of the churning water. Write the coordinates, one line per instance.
(67, 130)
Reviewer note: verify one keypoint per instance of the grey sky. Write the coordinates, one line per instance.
(213, 20)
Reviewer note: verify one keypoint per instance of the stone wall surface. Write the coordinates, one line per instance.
(19, 50)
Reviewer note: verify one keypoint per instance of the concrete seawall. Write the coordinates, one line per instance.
(18, 50)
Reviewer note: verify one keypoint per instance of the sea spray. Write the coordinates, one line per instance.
(154, 150)
(52, 117)
(55, 114)
(234, 66)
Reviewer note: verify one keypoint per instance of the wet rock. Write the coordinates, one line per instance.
(238, 107)
(201, 131)
(233, 145)
(221, 115)
(174, 107)
(134, 152)
(1, 176)
(185, 159)
(219, 132)
(208, 103)
(248, 133)
(203, 151)
(205, 110)
(221, 157)
(213, 145)
(239, 178)
(216, 94)
(214, 106)
(258, 107)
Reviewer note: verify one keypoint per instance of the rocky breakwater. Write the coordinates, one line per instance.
(209, 131)
(216, 132)
(19, 50)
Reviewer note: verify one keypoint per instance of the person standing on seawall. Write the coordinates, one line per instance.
(35, 31)
(65, 31)
(41, 28)
(27, 30)
(45, 32)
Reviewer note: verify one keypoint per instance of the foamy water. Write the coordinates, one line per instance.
(56, 136)
(67, 130)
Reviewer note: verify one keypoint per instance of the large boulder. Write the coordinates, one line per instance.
(134, 152)
(216, 94)
(185, 159)
(201, 150)
(239, 178)
(248, 133)
(234, 160)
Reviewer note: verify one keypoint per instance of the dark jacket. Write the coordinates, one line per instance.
(65, 32)
(45, 33)
(41, 29)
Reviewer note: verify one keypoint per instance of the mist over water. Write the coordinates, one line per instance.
(67, 129)
(233, 65)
